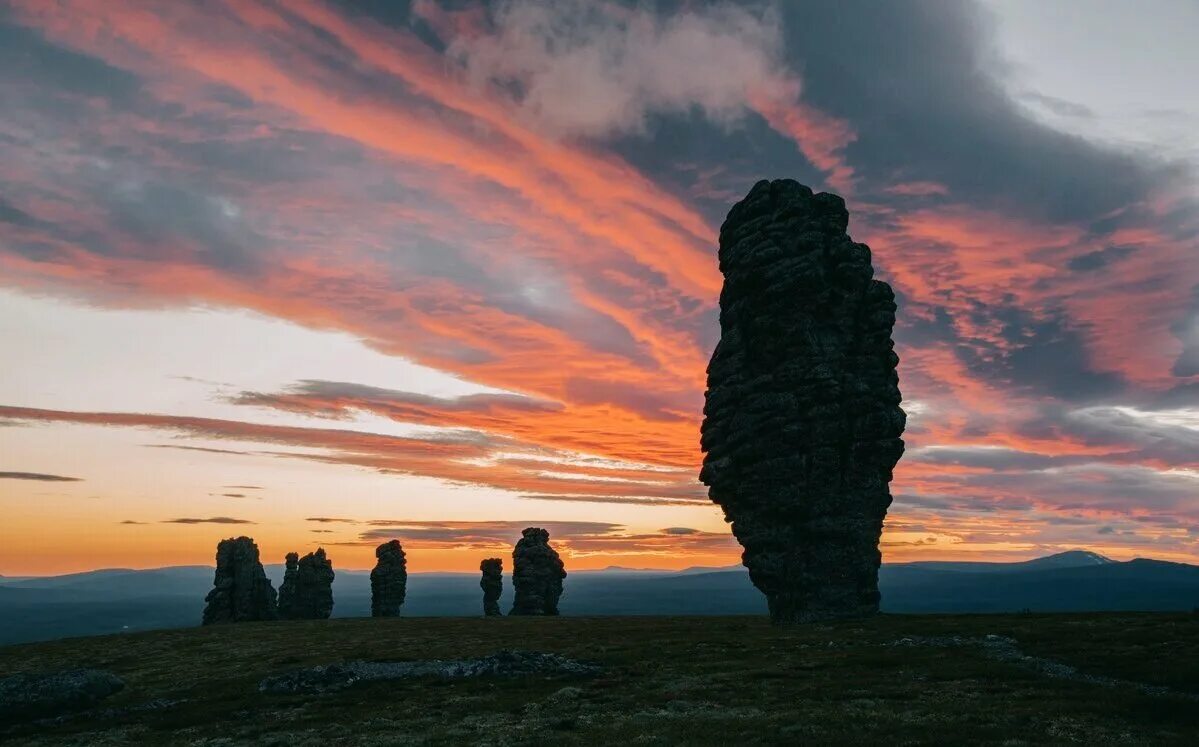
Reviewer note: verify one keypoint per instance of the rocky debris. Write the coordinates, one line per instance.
(802, 419)
(389, 580)
(307, 590)
(241, 591)
(48, 694)
(492, 584)
(537, 574)
(505, 663)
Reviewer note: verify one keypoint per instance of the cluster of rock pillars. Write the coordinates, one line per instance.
(242, 592)
(801, 433)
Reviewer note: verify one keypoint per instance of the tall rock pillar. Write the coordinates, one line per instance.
(802, 421)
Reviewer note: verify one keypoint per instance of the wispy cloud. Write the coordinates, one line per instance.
(211, 520)
(37, 477)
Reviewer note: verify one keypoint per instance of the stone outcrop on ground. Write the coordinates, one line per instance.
(505, 663)
(47, 694)
(389, 580)
(307, 590)
(537, 574)
(492, 585)
(241, 592)
(802, 416)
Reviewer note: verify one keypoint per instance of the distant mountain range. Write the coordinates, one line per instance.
(116, 600)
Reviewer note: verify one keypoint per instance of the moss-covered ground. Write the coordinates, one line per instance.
(695, 680)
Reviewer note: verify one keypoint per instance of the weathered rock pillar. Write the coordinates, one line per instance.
(389, 580)
(492, 584)
(241, 592)
(802, 421)
(537, 574)
(307, 589)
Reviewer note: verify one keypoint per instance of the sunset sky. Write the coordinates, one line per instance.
(328, 273)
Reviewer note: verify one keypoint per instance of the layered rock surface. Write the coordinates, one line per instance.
(241, 591)
(389, 580)
(802, 418)
(492, 584)
(537, 574)
(307, 590)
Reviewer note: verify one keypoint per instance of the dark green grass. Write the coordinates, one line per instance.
(693, 680)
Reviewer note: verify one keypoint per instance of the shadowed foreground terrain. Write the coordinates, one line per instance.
(1095, 678)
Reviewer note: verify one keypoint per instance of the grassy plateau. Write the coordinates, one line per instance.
(664, 680)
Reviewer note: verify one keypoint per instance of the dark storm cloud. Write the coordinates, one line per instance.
(1187, 331)
(37, 477)
(1120, 434)
(1099, 259)
(26, 53)
(992, 458)
(1097, 487)
(920, 81)
(1045, 356)
(9, 213)
(1151, 435)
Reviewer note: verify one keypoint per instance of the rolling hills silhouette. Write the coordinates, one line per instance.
(116, 600)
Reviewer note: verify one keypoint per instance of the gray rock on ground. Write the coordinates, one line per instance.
(492, 585)
(307, 590)
(802, 416)
(504, 663)
(537, 574)
(241, 592)
(49, 694)
(389, 580)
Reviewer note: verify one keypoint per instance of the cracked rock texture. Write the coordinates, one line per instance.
(241, 591)
(802, 418)
(537, 574)
(492, 584)
(307, 590)
(389, 580)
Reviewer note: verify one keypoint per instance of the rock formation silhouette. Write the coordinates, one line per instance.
(287, 589)
(389, 580)
(492, 584)
(240, 591)
(537, 574)
(306, 592)
(802, 419)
